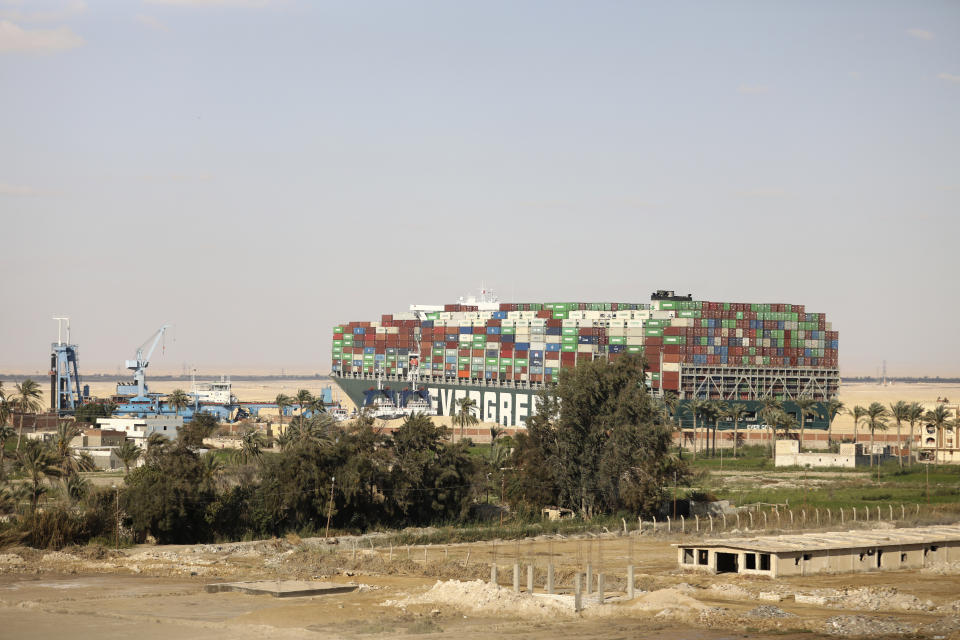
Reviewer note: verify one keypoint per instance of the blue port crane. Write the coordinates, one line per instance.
(139, 365)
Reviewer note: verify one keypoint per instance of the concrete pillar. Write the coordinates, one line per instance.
(600, 586)
(630, 581)
(493, 573)
(589, 577)
(529, 578)
(550, 578)
(516, 578)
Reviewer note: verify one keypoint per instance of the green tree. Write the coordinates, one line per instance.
(179, 400)
(39, 462)
(807, 409)
(26, 399)
(89, 412)
(596, 443)
(167, 497)
(736, 413)
(202, 426)
(718, 411)
(465, 414)
(834, 408)
(876, 421)
(900, 411)
(128, 453)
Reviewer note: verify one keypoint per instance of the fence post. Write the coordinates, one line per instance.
(750, 513)
(683, 524)
(803, 517)
(589, 577)
(866, 513)
(903, 512)
(669, 529)
(630, 581)
(817, 510)
(577, 594)
(550, 578)
(829, 516)
(711, 523)
(918, 508)
(516, 577)
(529, 578)
(777, 511)
(697, 519)
(600, 586)
(878, 514)
(493, 573)
(790, 511)
(738, 519)
(853, 511)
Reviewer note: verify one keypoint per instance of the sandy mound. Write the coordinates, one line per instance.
(483, 597)
(667, 599)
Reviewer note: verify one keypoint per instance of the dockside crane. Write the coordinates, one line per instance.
(139, 365)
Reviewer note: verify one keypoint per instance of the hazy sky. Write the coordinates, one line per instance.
(256, 172)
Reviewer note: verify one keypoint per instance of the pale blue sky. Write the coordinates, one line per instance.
(256, 172)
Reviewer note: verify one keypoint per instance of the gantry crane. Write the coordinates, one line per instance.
(142, 362)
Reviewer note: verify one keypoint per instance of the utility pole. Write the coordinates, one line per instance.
(501, 499)
(333, 482)
(117, 505)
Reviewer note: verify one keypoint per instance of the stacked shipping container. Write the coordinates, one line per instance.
(533, 342)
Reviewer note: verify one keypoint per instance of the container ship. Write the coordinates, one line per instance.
(502, 355)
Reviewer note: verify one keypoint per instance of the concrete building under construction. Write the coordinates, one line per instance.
(830, 552)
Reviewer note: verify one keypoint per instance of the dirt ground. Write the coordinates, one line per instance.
(155, 592)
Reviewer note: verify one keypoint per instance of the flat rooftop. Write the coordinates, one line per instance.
(826, 541)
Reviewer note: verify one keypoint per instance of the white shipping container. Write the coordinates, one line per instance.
(671, 366)
(746, 342)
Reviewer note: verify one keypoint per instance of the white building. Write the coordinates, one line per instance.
(851, 455)
(139, 429)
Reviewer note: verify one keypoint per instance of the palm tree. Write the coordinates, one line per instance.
(938, 417)
(780, 420)
(212, 467)
(707, 411)
(858, 413)
(71, 462)
(735, 414)
(900, 411)
(696, 408)
(876, 421)
(719, 412)
(769, 407)
(834, 408)
(282, 401)
(4, 406)
(251, 445)
(303, 398)
(914, 416)
(6, 432)
(179, 400)
(317, 405)
(464, 415)
(39, 462)
(806, 406)
(128, 453)
(671, 401)
(26, 400)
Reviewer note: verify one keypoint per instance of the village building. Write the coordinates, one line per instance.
(139, 429)
(833, 552)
